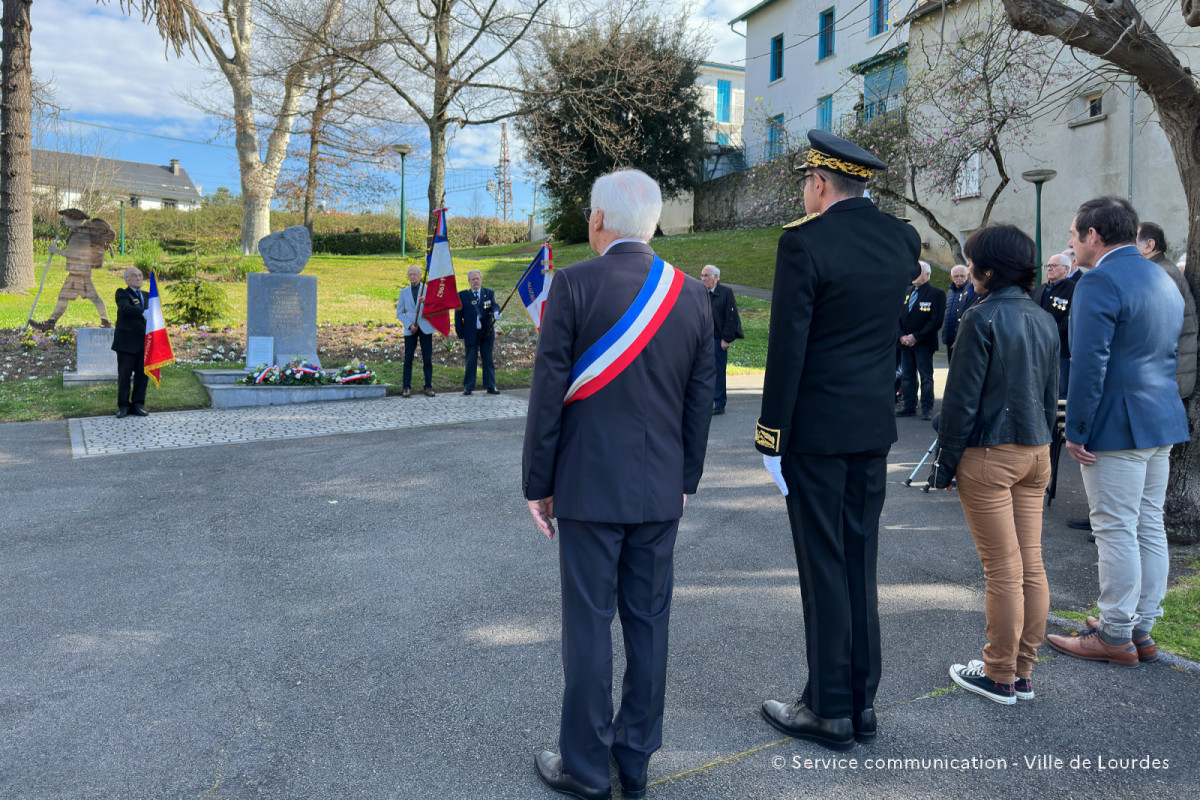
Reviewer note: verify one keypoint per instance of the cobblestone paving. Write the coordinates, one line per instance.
(105, 436)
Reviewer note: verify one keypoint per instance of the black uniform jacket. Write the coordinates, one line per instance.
(629, 452)
(129, 335)
(831, 355)
(926, 317)
(727, 323)
(1059, 305)
(483, 309)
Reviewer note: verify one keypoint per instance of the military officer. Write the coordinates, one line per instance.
(827, 424)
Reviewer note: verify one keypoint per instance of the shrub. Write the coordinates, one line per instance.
(196, 302)
(146, 254)
(185, 269)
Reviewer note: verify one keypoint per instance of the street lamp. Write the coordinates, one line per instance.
(402, 150)
(1037, 177)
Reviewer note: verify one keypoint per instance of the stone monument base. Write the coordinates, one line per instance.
(283, 307)
(95, 361)
(224, 392)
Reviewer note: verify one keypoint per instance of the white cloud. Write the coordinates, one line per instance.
(103, 62)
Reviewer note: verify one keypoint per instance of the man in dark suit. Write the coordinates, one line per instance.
(921, 317)
(615, 439)
(1123, 416)
(727, 326)
(129, 342)
(959, 298)
(475, 324)
(827, 425)
(1055, 296)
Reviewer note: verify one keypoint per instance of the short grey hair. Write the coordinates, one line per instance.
(128, 270)
(631, 202)
(925, 267)
(716, 270)
(474, 272)
(963, 267)
(1068, 258)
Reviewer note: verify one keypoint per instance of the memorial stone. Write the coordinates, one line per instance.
(282, 304)
(95, 361)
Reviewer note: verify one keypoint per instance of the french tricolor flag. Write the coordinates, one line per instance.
(534, 285)
(158, 345)
(441, 289)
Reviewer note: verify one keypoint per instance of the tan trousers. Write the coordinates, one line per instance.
(78, 285)
(1001, 488)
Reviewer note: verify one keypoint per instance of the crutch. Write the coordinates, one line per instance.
(924, 458)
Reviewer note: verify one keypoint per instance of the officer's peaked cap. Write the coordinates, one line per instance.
(841, 156)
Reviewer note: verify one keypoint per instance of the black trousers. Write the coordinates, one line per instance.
(916, 364)
(130, 371)
(410, 351)
(834, 502)
(473, 351)
(607, 568)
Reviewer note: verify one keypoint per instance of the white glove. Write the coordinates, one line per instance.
(772, 463)
(146, 314)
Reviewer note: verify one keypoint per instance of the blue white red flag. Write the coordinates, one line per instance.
(617, 349)
(441, 289)
(534, 286)
(158, 344)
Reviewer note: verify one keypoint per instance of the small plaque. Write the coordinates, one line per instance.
(259, 350)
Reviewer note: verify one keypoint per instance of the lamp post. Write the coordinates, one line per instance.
(402, 150)
(122, 202)
(1037, 177)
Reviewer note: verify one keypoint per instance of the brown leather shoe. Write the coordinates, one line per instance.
(1091, 647)
(1146, 648)
(429, 392)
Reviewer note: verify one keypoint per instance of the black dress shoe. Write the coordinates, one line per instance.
(631, 787)
(717, 411)
(123, 412)
(493, 390)
(908, 412)
(550, 769)
(798, 720)
(466, 392)
(926, 415)
(138, 411)
(1079, 523)
(864, 726)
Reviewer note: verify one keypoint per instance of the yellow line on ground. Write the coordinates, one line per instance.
(719, 762)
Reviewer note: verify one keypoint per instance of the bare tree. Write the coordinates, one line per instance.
(1116, 32)
(450, 61)
(349, 127)
(259, 172)
(973, 93)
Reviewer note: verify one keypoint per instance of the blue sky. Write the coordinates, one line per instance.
(110, 70)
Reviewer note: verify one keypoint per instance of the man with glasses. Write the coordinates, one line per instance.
(959, 298)
(827, 424)
(727, 326)
(1055, 296)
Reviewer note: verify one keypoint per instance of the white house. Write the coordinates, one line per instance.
(810, 63)
(800, 60)
(723, 95)
(91, 182)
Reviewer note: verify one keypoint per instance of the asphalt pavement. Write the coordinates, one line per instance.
(373, 615)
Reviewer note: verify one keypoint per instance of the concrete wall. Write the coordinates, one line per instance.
(740, 201)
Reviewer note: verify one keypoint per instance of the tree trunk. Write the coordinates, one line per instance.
(1118, 34)
(314, 151)
(256, 214)
(16, 158)
(930, 218)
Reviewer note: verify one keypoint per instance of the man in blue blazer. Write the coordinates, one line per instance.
(475, 324)
(615, 439)
(1123, 415)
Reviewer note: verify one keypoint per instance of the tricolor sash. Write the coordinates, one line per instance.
(615, 350)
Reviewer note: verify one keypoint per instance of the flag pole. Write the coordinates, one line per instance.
(504, 305)
(425, 281)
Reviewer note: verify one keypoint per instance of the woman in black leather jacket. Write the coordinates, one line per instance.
(998, 412)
